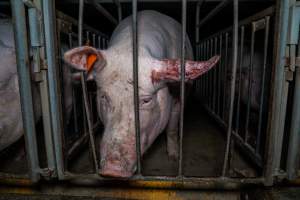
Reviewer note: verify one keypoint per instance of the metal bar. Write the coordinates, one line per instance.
(232, 83)
(136, 85)
(199, 4)
(225, 76)
(50, 42)
(240, 81)
(182, 83)
(87, 42)
(294, 139)
(104, 12)
(247, 149)
(156, 1)
(250, 80)
(73, 93)
(214, 12)
(274, 130)
(94, 40)
(219, 77)
(215, 79)
(84, 91)
(23, 67)
(210, 77)
(267, 24)
(74, 22)
(269, 11)
(103, 43)
(99, 42)
(119, 7)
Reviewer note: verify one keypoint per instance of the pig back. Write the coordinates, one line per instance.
(159, 36)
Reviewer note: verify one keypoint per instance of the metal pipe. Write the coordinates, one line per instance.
(94, 40)
(23, 67)
(50, 42)
(119, 7)
(136, 84)
(250, 80)
(219, 78)
(87, 42)
(182, 83)
(240, 81)
(215, 79)
(225, 76)
(276, 114)
(232, 83)
(104, 12)
(267, 24)
(99, 42)
(214, 12)
(199, 4)
(84, 91)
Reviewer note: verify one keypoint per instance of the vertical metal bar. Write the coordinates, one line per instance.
(50, 42)
(293, 150)
(206, 76)
(23, 67)
(103, 43)
(94, 40)
(232, 83)
(136, 85)
(84, 91)
(241, 60)
(219, 78)
(199, 4)
(262, 94)
(87, 42)
(250, 80)
(99, 42)
(215, 80)
(225, 76)
(210, 76)
(182, 84)
(73, 93)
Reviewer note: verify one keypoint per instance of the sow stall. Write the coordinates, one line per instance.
(240, 123)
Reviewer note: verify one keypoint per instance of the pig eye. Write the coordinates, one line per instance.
(146, 101)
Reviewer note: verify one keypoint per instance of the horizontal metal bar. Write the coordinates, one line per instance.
(159, 1)
(165, 182)
(69, 19)
(267, 12)
(104, 12)
(214, 12)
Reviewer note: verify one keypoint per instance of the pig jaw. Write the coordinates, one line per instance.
(118, 159)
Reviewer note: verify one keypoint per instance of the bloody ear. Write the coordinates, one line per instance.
(85, 58)
(169, 69)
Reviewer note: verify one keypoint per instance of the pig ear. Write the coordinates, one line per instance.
(169, 69)
(85, 58)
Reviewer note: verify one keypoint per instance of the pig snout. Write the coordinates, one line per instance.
(118, 159)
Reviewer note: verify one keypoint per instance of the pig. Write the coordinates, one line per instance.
(159, 44)
(11, 126)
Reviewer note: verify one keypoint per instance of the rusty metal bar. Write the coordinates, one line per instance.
(232, 83)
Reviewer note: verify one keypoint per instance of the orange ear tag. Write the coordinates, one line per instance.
(90, 61)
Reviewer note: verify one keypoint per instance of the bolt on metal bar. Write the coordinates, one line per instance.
(225, 76)
(250, 80)
(219, 77)
(136, 85)
(84, 91)
(267, 24)
(182, 84)
(21, 44)
(232, 83)
(241, 60)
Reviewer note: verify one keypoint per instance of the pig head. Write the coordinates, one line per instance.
(112, 70)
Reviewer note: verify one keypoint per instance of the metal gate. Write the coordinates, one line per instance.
(230, 43)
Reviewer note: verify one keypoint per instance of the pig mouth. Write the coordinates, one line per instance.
(115, 170)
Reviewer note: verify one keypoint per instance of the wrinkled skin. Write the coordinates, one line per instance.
(158, 42)
(11, 125)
